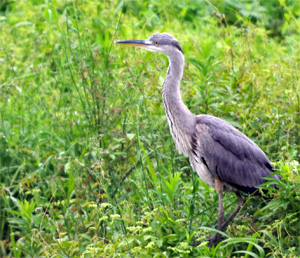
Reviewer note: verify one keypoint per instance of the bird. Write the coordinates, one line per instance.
(222, 156)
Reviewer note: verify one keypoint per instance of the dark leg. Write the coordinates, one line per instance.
(215, 239)
(233, 214)
(219, 188)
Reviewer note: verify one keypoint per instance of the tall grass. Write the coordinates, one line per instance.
(87, 164)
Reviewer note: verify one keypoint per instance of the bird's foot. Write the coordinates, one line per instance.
(196, 243)
(214, 240)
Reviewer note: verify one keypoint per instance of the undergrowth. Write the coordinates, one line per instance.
(87, 164)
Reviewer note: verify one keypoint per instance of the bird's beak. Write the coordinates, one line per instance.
(146, 44)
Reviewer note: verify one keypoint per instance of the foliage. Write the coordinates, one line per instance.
(87, 164)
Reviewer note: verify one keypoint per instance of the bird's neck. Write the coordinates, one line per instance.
(179, 117)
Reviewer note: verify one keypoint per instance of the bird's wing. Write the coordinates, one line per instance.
(229, 155)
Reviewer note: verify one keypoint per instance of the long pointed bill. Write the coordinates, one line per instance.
(138, 43)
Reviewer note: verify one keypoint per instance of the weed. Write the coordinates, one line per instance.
(87, 164)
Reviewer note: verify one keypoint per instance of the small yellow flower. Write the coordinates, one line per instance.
(149, 229)
(150, 245)
(105, 205)
(115, 216)
(104, 218)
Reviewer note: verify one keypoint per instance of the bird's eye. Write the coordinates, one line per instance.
(156, 43)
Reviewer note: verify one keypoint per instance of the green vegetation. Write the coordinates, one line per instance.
(87, 164)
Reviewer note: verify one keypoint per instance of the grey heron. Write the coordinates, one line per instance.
(223, 157)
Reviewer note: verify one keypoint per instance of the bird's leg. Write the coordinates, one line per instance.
(219, 188)
(215, 239)
(233, 214)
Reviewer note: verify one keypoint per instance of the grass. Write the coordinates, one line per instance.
(87, 164)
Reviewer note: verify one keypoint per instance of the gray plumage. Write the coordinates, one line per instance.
(222, 156)
(229, 155)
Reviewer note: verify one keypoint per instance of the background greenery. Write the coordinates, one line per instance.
(87, 164)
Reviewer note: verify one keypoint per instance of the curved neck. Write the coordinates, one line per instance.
(176, 111)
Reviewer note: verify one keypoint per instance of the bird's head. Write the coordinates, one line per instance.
(163, 42)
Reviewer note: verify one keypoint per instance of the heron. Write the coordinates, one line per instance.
(222, 156)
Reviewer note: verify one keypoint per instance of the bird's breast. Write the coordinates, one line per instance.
(202, 171)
